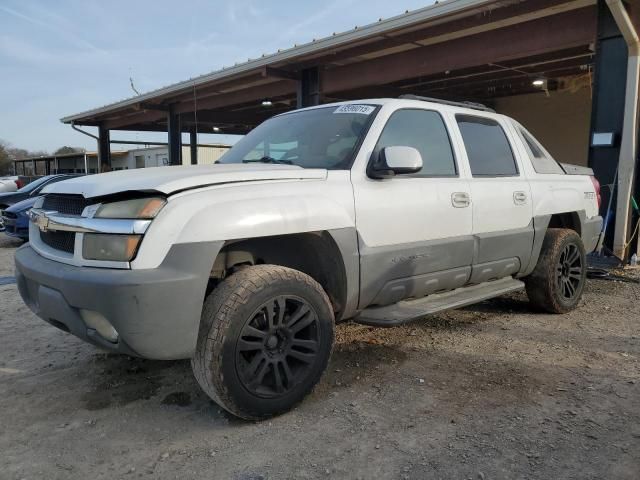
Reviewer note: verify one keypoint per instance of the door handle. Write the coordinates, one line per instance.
(460, 199)
(519, 198)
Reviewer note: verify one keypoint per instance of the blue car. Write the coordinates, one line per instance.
(14, 219)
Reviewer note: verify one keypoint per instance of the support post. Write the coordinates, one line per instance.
(104, 149)
(309, 87)
(193, 142)
(607, 109)
(628, 141)
(174, 135)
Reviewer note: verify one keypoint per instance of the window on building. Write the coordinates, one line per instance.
(425, 131)
(487, 146)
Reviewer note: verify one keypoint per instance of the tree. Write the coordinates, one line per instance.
(66, 149)
(9, 154)
(5, 160)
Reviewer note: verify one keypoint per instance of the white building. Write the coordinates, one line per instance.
(159, 156)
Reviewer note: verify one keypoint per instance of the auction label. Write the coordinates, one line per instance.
(363, 109)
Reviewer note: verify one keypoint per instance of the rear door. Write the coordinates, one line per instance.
(501, 198)
(414, 230)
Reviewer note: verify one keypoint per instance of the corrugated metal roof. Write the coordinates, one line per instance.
(431, 12)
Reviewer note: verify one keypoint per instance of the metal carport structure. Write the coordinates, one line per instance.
(480, 50)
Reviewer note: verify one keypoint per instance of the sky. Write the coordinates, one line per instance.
(62, 57)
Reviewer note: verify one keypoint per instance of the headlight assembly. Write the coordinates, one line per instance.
(138, 208)
(110, 247)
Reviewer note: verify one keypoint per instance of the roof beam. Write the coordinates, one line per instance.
(466, 26)
(144, 116)
(535, 37)
(487, 75)
(241, 97)
(279, 73)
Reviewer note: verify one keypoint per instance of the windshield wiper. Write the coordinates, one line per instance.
(267, 159)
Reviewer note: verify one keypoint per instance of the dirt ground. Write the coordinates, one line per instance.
(494, 391)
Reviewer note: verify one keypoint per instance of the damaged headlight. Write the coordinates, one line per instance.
(117, 247)
(138, 208)
(110, 247)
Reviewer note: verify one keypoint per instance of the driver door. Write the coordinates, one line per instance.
(414, 230)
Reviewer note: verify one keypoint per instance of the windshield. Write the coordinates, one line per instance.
(39, 183)
(33, 185)
(318, 138)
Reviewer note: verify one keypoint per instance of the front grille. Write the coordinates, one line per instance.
(9, 214)
(59, 240)
(66, 204)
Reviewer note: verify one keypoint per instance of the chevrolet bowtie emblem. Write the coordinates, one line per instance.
(40, 220)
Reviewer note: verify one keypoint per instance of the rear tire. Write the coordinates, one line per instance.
(266, 335)
(557, 282)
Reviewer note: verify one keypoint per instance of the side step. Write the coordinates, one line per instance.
(410, 310)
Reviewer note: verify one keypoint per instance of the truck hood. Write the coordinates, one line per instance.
(174, 179)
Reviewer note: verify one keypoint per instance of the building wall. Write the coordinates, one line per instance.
(159, 156)
(561, 121)
(206, 154)
(141, 158)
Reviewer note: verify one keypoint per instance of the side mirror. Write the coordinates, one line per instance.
(394, 161)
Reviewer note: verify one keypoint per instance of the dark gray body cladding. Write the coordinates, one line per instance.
(392, 273)
(347, 241)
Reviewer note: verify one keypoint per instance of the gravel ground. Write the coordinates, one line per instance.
(488, 392)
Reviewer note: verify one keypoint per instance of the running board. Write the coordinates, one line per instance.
(410, 310)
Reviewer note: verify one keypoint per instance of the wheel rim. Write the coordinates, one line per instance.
(278, 346)
(569, 272)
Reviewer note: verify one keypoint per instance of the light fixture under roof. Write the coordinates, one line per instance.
(267, 103)
(538, 82)
(216, 129)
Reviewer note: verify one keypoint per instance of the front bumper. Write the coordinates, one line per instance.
(156, 312)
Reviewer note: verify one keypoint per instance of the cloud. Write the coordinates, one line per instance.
(329, 9)
(240, 12)
(63, 57)
(50, 26)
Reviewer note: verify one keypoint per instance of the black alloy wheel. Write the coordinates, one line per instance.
(277, 346)
(558, 279)
(569, 271)
(266, 336)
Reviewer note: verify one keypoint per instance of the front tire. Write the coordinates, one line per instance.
(266, 335)
(557, 282)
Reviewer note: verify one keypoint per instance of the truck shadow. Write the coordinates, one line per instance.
(513, 303)
(121, 380)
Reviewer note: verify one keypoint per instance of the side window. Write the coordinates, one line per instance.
(425, 131)
(487, 147)
(542, 162)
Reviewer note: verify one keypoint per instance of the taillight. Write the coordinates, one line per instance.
(596, 186)
(19, 184)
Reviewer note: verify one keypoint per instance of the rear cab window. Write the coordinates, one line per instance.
(488, 148)
(541, 160)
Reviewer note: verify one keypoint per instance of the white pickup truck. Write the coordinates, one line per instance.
(380, 211)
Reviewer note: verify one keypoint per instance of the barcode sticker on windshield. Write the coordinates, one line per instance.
(363, 109)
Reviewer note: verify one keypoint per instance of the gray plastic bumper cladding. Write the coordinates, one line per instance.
(156, 312)
(591, 229)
